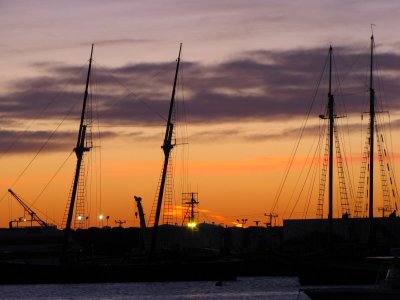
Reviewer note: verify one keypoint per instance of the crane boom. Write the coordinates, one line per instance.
(34, 216)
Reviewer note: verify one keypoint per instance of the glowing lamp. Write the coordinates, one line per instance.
(191, 225)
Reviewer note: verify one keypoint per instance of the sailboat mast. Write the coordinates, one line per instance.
(79, 151)
(371, 135)
(331, 133)
(80, 133)
(371, 148)
(331, 128)
(167, 147)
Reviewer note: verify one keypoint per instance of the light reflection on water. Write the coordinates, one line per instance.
(272, 288)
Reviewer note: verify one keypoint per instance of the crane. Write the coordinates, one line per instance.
(27, 209)
(141, 213)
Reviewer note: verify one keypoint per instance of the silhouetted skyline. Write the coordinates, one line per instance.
(249, 72)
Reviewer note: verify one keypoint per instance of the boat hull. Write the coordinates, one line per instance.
(369, 293)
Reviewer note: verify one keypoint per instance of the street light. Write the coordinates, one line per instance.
(101, 217)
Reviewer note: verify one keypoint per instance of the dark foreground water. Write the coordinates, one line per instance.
(272, 288)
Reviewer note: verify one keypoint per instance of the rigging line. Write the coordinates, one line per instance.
(394, 165)
(388, 158)
(184, 132)
(340, 90)
(310, 192)
(381, 93)
(308, 173)
(36, 118)
(94, 157)
(381, 89)
(99, 152)
(383, 125)
(342, 142)
(303, 170)
(322, 165)
(321, 170)
(342, 145)
(346, 165)
(51, 179)
(338, 199)
(173, 174)
(183, 106)
(350, 70)
(138, 95)
(45, 187)
(40, 149)
(88, 195)
(295, 148)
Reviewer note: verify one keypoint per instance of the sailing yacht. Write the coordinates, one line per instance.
(351, 267)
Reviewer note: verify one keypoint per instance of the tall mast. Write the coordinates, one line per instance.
(371, 143)
(331, 133)
(79, 151)
(331, 117)
(371, 128)
(167, 147)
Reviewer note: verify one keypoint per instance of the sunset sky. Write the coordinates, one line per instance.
(249, 73)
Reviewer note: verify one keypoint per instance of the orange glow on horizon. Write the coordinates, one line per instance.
(219, 198)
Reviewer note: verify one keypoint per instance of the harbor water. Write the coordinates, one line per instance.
(272, 288)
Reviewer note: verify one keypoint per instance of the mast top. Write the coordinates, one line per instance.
(371, 60)
(180, 49)
(372, 31)
(91, 52)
